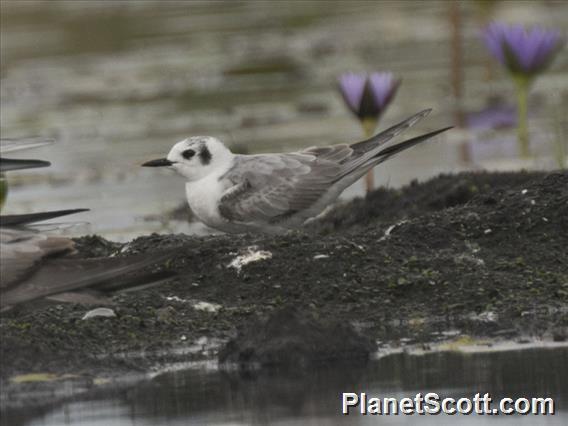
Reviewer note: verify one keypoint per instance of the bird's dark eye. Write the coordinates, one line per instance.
(188, 153)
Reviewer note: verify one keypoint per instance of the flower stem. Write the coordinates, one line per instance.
(3, 190)
(522, 84)
(560, 143)
(369, 125)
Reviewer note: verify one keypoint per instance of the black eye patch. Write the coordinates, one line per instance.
(188, 153)
(205, 156)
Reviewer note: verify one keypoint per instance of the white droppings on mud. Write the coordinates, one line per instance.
(485, 316)
(175, 299)
(206, 307)
(99, 313)
(198, 305)
(252, 254)
(354, 245)
(469, 258)
(124, 248)
(473, 247)
(321, 256)
(450, 333)
(391, 228)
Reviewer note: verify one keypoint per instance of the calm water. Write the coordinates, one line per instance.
(117, 83)
(206, 396)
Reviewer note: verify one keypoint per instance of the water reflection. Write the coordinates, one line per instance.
(202, 396)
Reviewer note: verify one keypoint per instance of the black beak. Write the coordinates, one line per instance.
(160, 162)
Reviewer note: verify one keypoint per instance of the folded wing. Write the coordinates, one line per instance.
(272, 188)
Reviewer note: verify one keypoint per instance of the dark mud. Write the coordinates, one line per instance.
(291, 338)
(484, 254)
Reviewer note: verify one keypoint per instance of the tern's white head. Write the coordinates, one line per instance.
(195, 157)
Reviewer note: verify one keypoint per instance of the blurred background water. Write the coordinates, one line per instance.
(117, 83)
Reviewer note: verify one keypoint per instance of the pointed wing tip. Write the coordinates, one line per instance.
(412, 120)
(443, 129)
(79, 210)
(10, 164)
(420, 115)
(394, 149)
(433, 133)
(29, 218)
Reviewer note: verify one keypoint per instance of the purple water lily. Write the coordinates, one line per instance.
(522, 51)
(368, 95)
(525, 53)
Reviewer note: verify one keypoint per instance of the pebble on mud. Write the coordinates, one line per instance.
(99, 312)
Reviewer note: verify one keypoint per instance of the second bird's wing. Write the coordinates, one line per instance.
(102, 275)
(9, 164)
(20, 220)
(19, 144)
(22, 252)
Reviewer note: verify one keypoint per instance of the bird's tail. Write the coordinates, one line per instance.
(374, 142)
(392, 150)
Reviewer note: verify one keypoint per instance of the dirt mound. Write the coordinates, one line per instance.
(291, 338)
(491, 264)
(415, 199)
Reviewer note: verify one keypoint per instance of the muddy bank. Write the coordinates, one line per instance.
(472, 254)
(295, 339)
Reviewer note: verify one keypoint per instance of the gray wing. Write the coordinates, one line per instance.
(273, 187)
(29, 270)
(11, 145)
(100, 275)
(23, 248)
(23, 251)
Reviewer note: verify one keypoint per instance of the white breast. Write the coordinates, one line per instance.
(203, 197)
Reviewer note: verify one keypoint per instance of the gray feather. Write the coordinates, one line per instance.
(275, 188)
(15, 144)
